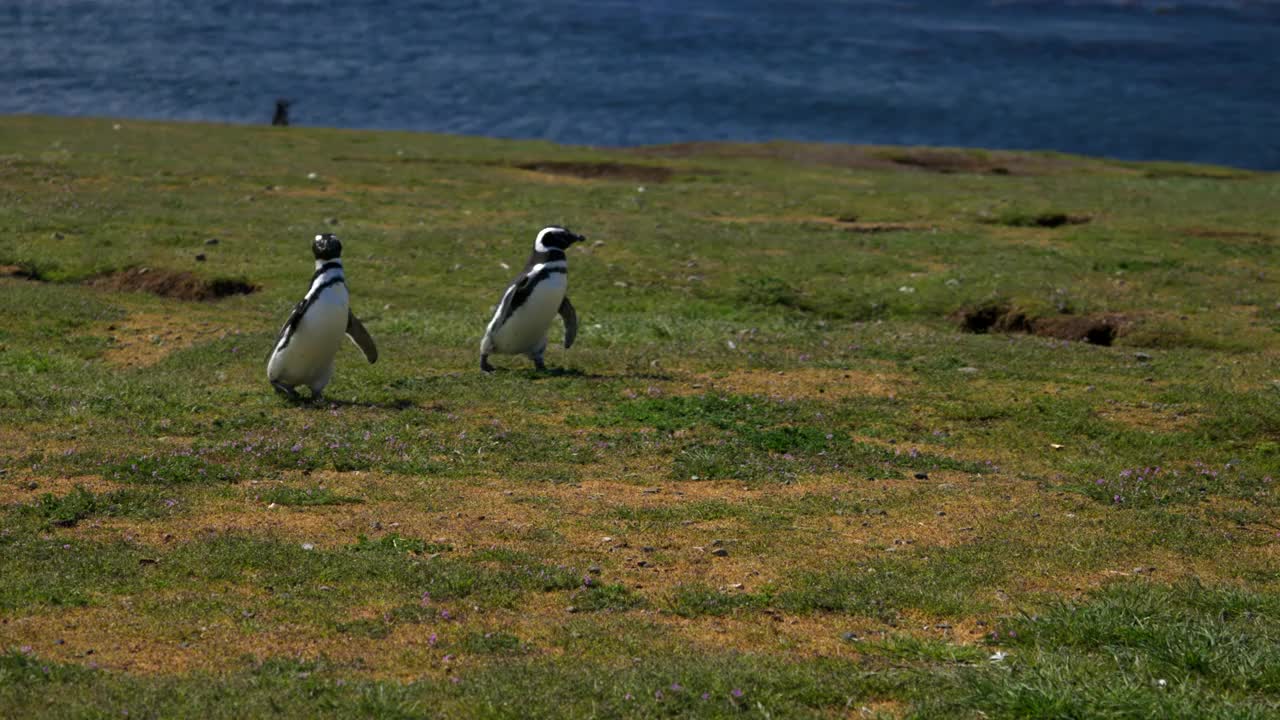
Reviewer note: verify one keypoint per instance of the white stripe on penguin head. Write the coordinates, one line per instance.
(537, 244)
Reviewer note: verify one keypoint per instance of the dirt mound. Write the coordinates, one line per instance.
(180, 285)
(602, 170)
(1093, 329)
(1051, 219)
(948, 161)
(26, 271)
(872, 228)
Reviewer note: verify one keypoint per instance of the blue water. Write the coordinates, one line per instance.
(1166, 80)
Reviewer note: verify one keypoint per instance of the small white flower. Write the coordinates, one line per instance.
(308, 546)
(906, 289)
(999, 656)
(1161, 682)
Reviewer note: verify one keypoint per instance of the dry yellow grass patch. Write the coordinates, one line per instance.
(144, 339)
(27, 489)
(1148, 416)
(119, 638)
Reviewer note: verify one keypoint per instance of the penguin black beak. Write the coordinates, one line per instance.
(578, 238)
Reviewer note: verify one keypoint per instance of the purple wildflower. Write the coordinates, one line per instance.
(737, 693)
(431, 640)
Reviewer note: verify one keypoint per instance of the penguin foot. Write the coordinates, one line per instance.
(539, 365)
(484, 364)
(286, 391)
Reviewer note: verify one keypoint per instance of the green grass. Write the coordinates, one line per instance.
(773, 469)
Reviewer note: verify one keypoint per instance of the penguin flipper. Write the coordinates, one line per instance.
(570, 317)
(361, 337)
(291, 324)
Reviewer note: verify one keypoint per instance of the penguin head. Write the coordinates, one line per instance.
(556, 237)
(327, 247)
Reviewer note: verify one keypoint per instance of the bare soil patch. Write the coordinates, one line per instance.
(601, 170)
(144, 339)
(872, 228)
(176, 284)
(1094, 329)
(1152, 417)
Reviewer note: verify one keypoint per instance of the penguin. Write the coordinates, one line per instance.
(523, 316)
(308, 343)
(281, 116)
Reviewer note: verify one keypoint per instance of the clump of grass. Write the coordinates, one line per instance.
(923, 651)
(184, 468)
(596, 597)
(699, 600)
(770, 291)
(492, 643)
(397, 544)
(80, 504)
(373, 628)
(944, 584)
(1138, 649)
(1145, 487)
(668, 414)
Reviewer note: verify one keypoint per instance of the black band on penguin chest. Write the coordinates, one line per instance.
(325, 268)
(525, 288)
(301, 309)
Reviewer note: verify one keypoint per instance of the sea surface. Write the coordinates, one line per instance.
(1172, 80)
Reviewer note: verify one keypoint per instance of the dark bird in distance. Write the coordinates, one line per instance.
(282, 112)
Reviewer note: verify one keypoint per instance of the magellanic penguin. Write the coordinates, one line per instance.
(521, 320)
(308, 344)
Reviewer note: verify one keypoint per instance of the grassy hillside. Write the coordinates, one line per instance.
(848, 432)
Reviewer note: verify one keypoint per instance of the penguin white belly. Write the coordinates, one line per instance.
(314, 344)
(528, 325)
